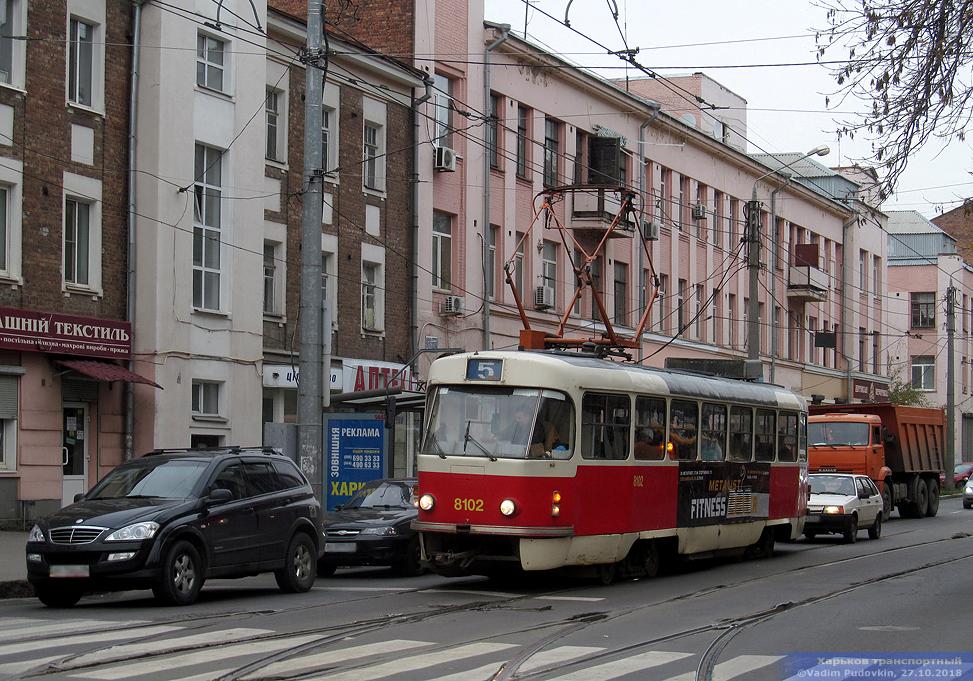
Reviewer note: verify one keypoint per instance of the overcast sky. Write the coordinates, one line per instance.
(786, 104)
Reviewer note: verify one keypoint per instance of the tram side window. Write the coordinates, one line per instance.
(556, 419)
(764, 435)
(684, 419)
(802, 439)
(650, 429)
(741, 434)
(605, 424)
(787, 437)
(713, 431)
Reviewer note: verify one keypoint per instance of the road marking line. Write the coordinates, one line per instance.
(132, 650)
(494, 594)
(320, 659)
(733, 668)
(34, 631)
(627, 665)
(487, 671)
(554, 656)
(170, 662)
(580, 599)
(47, 644)
(415, 662)
(24, 665)
(362, 588)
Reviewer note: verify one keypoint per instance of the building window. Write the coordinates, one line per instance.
(662, 200)
(717, 218)
(372, 149)
(924, 372)
(663, 302)
(443, 100)
(207, 227)
(876, 275)
(621, 293)
(699, 312)
(862, 267)
(442, 252)
(206, 398)
(77, 236)
(549, 268)
(596, 266)
(490, 266)
(327, 118)
(875, 353)
(519, 264)
(371, 296)
(731, 225)
(329, 283)
(274, 105)
(81, 62)
(210, 62)
(522, 131)
(493, 131)
(272, 278)
(580, 142)
(923, 310)
(680, 306)
(4, 229)
(551, 151)
(10, 52)
(731, 310)
(717, 317)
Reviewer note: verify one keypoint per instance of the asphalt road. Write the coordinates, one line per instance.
(813, 610)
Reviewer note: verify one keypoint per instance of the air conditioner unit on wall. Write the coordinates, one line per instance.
(650, 230)
(544, 297)
(445, 159)
(699, 212)
(451, 305)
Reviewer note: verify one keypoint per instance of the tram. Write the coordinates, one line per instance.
(545, 460)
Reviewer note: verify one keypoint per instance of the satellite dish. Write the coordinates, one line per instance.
(689, 119)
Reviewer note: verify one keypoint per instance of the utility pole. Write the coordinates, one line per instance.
(309, 401)
(950, 384)
(753, 264)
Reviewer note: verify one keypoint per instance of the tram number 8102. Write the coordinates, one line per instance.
(460, 504)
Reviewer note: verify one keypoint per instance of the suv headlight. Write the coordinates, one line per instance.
(380, 531)
(36, 534)
(136, 532)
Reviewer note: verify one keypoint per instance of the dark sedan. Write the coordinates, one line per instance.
(373, 528)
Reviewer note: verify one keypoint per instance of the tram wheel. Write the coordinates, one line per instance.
(650, 559)
(607, 573)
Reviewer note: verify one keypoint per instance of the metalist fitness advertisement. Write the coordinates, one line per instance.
(713, 492)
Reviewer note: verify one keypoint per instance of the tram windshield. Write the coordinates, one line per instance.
(837, 434)
(500, 423)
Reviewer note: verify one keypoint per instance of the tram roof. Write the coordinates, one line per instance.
(678, 382)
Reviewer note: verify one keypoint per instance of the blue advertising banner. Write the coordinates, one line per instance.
(354, 446)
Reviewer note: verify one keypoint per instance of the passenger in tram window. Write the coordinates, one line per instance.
(711, 449)
(650, 442)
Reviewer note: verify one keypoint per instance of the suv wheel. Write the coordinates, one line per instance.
(300, 569)
(182, 575)
(57, 596)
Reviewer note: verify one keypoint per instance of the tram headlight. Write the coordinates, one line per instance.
(834, 509)
(426, 502)
(508, 507)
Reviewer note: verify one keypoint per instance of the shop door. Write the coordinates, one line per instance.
(74, 452)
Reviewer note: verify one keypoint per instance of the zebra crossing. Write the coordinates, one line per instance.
(99, 650)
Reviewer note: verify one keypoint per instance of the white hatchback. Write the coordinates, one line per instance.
(843, 503)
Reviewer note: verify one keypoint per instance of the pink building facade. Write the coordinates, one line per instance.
(527, 120)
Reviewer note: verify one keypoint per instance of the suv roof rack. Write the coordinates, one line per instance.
(223, 449)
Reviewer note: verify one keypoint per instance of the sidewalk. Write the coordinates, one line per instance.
(13, 567)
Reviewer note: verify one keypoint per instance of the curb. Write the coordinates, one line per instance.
(19, 588)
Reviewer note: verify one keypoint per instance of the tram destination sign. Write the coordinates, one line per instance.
(55, 333)
(716, 492)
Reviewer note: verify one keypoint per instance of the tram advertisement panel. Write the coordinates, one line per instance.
(714, 492)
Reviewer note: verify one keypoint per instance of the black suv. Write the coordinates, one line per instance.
(173, 518)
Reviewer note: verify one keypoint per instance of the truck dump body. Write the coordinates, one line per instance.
(915, 439)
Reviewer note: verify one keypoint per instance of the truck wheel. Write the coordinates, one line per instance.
(933, 508)
(922, 499)
(887, 499)
(851, 532)
(875, 531)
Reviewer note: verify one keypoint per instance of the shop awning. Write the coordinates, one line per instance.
(105, 371)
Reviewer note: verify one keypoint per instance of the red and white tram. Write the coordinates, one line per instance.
(544, 460)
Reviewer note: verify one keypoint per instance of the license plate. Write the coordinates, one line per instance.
(339, 547)
(69, 571)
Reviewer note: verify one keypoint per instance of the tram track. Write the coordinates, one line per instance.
(566, 626)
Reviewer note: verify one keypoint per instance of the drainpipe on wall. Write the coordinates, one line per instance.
(414, 292)
(641, 247)
(770, 279)
(845, 312)
(129, 407)
(484, 245)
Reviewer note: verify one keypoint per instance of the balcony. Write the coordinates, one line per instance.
(807, 285)
(594, 209)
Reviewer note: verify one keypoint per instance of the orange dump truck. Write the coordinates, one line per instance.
(901, 448)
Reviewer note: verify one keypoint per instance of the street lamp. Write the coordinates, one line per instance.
(753, 255)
